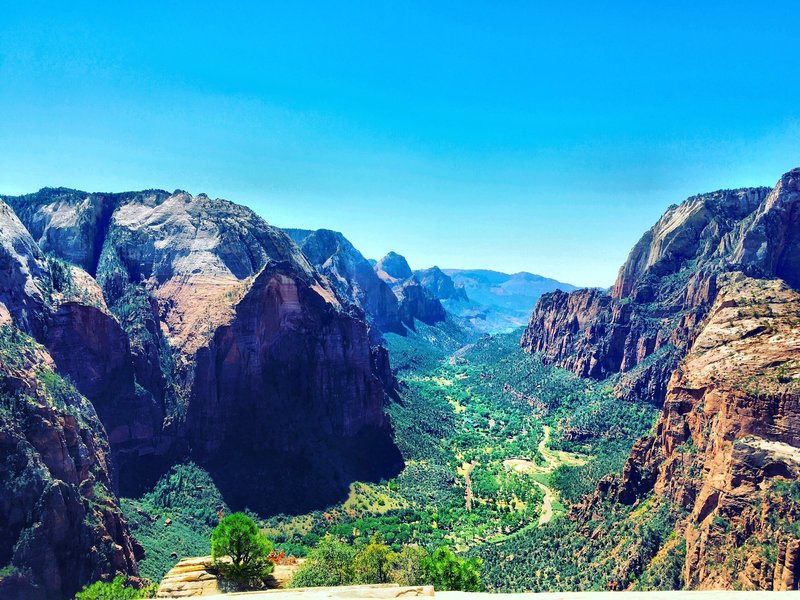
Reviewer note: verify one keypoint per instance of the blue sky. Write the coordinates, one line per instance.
(509, 135)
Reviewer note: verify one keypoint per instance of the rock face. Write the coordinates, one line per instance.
(438, 283)
(726, 448)
(60, 522)
(352, 276)
(646, 324)
(416, 302)
(242, 352)
(704, 316)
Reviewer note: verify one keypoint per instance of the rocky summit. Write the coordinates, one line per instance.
(417, 303)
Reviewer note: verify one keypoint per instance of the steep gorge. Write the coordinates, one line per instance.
(704, 317)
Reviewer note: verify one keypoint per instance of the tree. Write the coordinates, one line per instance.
(330, 563)
(237, 537)
(408, 566)
(446, 571)
(371, 564)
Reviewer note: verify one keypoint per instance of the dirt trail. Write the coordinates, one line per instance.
(554, 459)
(468, 484)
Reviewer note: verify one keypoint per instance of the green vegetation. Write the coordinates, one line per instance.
(334, 562)
(237, 539)
(479, 465)
(613, 550)
(494, 441)
(446, 571)
(118, 589)
(188, 498)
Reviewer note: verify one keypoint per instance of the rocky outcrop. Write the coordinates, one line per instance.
(190, 578)
(60, 522)
(242, 352)
(663, 293)
(196, 577)
(769, 242)
(416, 302)
(352, 276)
(393, 267)
(438, 283)
(727, 444)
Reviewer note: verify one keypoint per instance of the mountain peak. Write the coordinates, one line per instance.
(395, 266)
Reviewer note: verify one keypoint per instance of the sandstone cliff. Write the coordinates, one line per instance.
(242, 352)
(726, 448)
(60, 523)
(704, 315)
(647, 322)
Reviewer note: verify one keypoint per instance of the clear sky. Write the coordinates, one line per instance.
(509, 135)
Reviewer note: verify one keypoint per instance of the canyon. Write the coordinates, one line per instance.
(703, 320)
(142, 330)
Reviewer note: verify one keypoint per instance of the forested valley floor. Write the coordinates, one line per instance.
(498, 446)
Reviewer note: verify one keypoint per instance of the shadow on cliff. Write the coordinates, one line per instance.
(298, 482)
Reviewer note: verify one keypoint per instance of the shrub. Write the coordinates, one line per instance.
(371, 564)
(446, 571)
(330, 563)
(408, 566)
(238, 538)
(115, 590)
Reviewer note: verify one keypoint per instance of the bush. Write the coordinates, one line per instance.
(408, 566)
(238, 538)
(115, 590)
(330, 563)
(371, 564)
(446, 571)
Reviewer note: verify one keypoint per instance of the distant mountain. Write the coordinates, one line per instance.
(416, 301)
(352, 276)
(441, 285)
(495, 301)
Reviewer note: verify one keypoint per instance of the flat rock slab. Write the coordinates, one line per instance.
(397, 592)
(384, 592)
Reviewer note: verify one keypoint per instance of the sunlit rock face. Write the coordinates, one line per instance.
(237, 350)
(646, 323)
(704, 318)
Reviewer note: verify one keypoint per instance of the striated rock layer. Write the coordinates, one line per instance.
(240, 351)
(60, 522)
(726, 449)
(648, 321)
